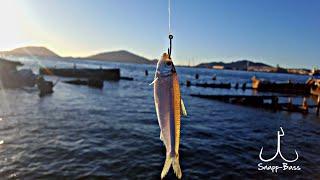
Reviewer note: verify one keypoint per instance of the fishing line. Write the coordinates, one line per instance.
(169, 15)
(170, 35)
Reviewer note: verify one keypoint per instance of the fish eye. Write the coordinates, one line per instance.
(169, 63)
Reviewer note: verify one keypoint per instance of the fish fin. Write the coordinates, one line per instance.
(161, 137)
(183, 109)
(155, 79)
(166, 166)
(176, 167)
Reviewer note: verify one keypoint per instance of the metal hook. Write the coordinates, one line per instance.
(170, 47)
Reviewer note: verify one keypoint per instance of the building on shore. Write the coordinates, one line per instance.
(217, 67)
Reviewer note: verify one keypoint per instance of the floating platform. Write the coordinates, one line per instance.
(103, 74)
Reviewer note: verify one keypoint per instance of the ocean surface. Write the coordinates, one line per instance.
(84, 133)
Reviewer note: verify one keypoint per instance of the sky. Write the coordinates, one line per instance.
(284, 32)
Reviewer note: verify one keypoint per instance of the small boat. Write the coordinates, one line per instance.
(314, 82)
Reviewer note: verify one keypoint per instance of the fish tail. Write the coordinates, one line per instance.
(175, 165)
(166, 166)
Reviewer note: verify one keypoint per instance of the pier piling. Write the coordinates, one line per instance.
(188, 83)
(197, 76)
(244, 86)
(236, 86)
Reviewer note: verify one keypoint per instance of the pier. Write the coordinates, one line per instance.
(285, 88)
(103, 74)
(259, 102)
(95, 83)
(288, 88)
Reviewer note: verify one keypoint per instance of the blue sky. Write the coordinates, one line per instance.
(285, 32)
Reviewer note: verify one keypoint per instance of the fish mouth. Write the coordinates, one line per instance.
(170, 63)
(173, 70)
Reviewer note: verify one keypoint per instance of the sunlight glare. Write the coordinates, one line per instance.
(10, 22)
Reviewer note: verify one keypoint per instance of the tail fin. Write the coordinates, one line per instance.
(175, 165)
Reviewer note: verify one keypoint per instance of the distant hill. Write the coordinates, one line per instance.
(120, 56)
(31, 51)
(237, 65)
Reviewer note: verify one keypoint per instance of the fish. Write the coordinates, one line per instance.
(169, 108)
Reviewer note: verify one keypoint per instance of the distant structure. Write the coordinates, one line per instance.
(280, 69)
(217, 67)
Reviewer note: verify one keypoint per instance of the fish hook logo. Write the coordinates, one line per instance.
(278, 151)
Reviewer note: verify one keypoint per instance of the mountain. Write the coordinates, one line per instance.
(114, 56)
(31, 51)
(237, 65)
(120, 56)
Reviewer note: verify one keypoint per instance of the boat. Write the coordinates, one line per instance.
(314, 82)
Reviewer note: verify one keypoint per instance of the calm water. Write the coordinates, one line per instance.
(79, 132)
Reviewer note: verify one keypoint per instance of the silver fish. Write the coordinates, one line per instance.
(169, 108)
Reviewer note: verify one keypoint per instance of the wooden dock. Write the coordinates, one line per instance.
(103, 74)
(288, 88)
(257, 102)
(284, 88)
(95, 83)
(214, 85)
